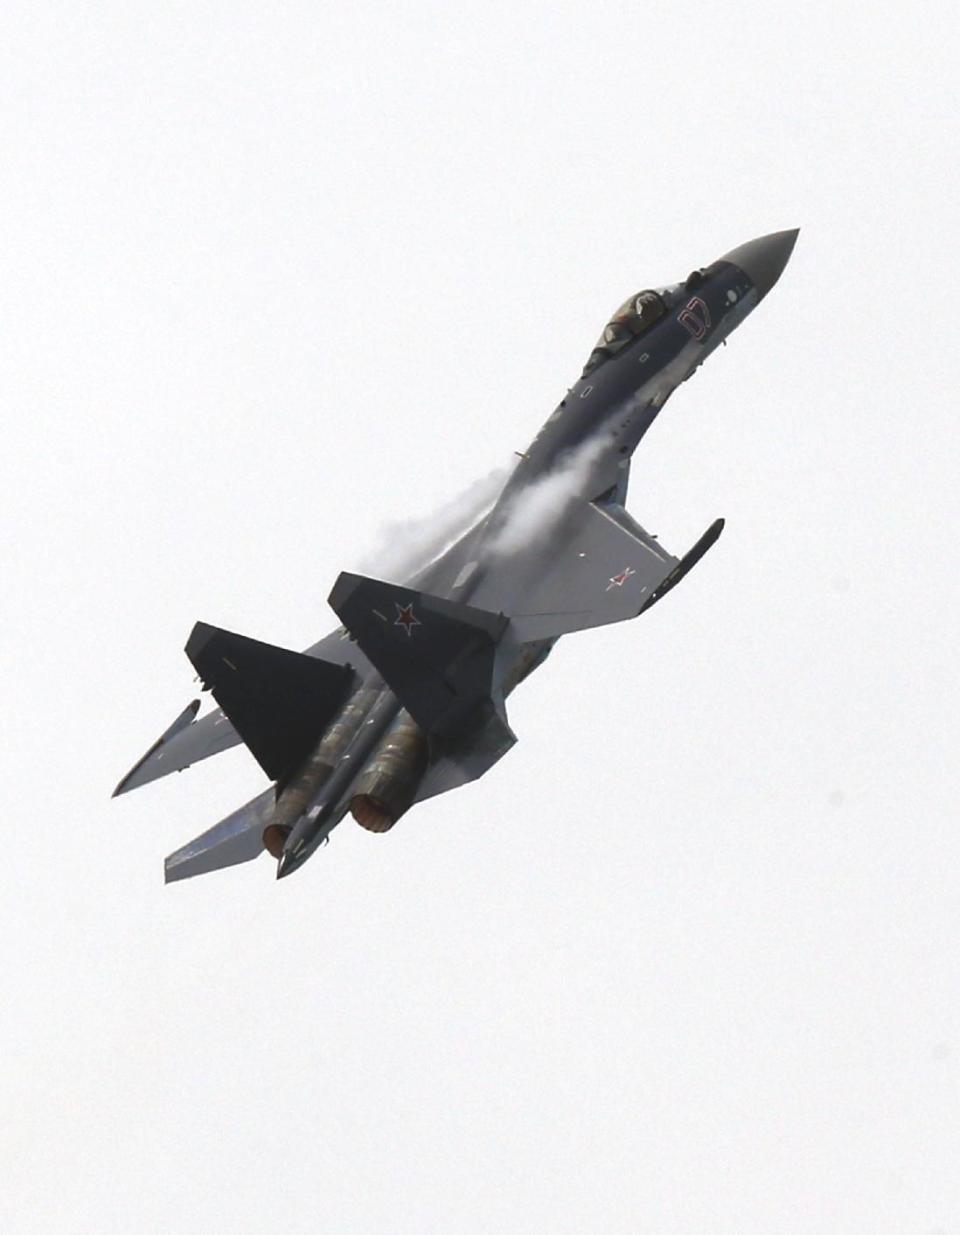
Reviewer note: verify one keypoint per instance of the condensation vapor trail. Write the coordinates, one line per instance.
(410, 544)
(535, 511)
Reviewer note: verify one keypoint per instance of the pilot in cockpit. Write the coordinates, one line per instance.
(634, 317)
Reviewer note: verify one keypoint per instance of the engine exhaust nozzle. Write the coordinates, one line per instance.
(389, 783)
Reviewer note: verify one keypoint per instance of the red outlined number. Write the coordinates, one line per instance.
(694, 317)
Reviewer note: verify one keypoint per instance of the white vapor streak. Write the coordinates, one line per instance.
(410, 544)
(535, 511)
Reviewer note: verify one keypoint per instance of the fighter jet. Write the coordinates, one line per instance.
(406, 699)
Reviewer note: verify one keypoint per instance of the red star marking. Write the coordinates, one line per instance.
(620, 579)
(406, 619)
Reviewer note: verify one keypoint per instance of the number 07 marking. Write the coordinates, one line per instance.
(694, 317)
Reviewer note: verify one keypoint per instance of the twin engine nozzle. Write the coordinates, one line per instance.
(384, 789)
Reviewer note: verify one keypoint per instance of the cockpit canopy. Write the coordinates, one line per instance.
(634, 318)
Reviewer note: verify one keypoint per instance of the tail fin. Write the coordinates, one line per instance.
(279, 701)
(436, 655)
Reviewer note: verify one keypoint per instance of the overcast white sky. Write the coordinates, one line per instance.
(273, 276)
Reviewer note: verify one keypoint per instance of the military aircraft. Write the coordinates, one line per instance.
(406, 698)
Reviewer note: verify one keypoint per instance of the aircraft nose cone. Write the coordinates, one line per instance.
(762, 260)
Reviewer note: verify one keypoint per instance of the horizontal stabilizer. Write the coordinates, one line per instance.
(186, 741)
(278, 701)
(436, 655)
(232, 840)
